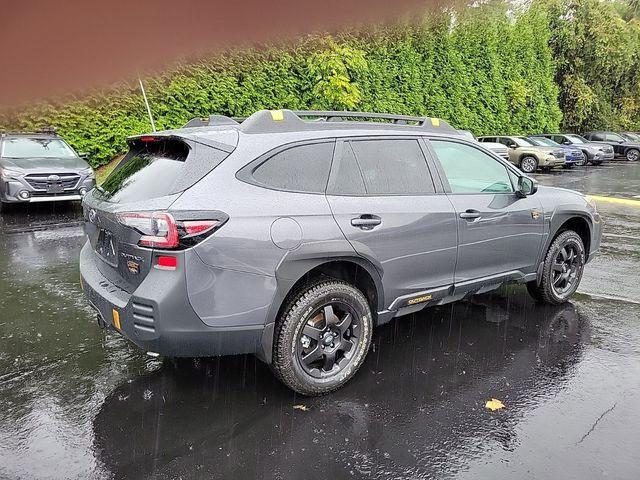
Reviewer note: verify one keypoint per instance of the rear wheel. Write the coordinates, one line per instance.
(562, 270)
(322, 337)
(632, 154)
(529, 164)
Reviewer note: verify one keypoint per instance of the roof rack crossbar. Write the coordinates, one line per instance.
(331, 115)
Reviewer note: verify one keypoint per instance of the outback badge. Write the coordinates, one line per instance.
(133, 267)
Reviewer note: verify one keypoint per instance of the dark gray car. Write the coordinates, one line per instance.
(41, 167)
(292, 239)
(622, 147)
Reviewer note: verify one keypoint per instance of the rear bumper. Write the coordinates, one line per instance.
(157, 316)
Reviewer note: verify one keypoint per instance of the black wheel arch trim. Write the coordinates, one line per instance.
(557, 221)
(298, 263)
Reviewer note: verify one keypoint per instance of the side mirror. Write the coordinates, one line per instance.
(83, 155)
(526, 186)
(512, 145)
(566, 142)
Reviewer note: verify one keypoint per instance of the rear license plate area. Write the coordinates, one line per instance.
(106, 247)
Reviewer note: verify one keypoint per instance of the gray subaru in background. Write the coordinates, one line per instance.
(292, 235)
(41, 167)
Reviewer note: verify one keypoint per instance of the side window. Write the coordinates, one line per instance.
(392, 167)
(346, 178)
(504, 141)
(597, 136)
(558, 139)
(470, 170)
(304, 168)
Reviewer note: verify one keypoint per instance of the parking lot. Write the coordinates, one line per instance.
(81, 403)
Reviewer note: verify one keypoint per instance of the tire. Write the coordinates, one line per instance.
(529, 164)
(632, 155)
(562, 270)
(312, 330)
(596, 163)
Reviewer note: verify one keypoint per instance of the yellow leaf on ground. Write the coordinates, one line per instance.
(494, 404)
(304, 408)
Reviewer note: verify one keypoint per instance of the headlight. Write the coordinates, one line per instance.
(88, 172)
(7, 174)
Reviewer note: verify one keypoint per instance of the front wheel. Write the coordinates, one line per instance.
(322, 337)
(562, 270)
(529, 164)
(632, 155)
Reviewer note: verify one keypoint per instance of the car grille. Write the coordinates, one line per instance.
(607, 149)
(42, 181)
(558, 153)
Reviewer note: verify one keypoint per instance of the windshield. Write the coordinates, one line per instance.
(25, 147)
(576, 139)
(523, 142)
(631, 136)
(544, 142)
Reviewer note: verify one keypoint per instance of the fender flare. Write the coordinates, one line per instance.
(293, 267)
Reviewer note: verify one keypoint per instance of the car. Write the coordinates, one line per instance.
(596, 153)
(573, 155)
(497, 148)
(622, 147)
(41, 167)
(292, 238)
(527, 156)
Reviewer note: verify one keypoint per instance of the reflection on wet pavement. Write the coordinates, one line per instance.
(79, 403)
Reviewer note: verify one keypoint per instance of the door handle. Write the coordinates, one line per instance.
(366, 221)
(470, 214)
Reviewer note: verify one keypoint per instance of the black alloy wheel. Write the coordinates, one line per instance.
(322, 337)
(328, 340)
(562, 269)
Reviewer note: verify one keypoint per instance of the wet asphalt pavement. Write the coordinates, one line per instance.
(76, 402)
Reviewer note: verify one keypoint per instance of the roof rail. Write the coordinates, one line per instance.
(270, 121)
(333, 116)
(49, 130)
(211, 121)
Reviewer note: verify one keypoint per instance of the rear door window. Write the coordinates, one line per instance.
(302, 168)
(392, 167)
(155, 168)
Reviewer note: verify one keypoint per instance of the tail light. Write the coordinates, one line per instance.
(163, 230)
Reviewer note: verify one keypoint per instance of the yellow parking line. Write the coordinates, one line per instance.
(622, 201)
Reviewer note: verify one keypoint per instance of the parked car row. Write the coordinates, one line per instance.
(561, 150)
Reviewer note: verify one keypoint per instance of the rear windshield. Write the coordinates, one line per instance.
(157, 168)
(25, 147)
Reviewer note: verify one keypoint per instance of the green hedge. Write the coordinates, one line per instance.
(483, 70)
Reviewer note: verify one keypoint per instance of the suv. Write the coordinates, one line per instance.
(622, 147)
(292, 238)
(596, 153)
(526, 155)
(41, 167)
(573, 155)
(497, 148)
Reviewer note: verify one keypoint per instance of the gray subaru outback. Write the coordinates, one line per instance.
(291, 235)
(41, 167)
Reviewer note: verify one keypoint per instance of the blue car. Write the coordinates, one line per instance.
(573, 155)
